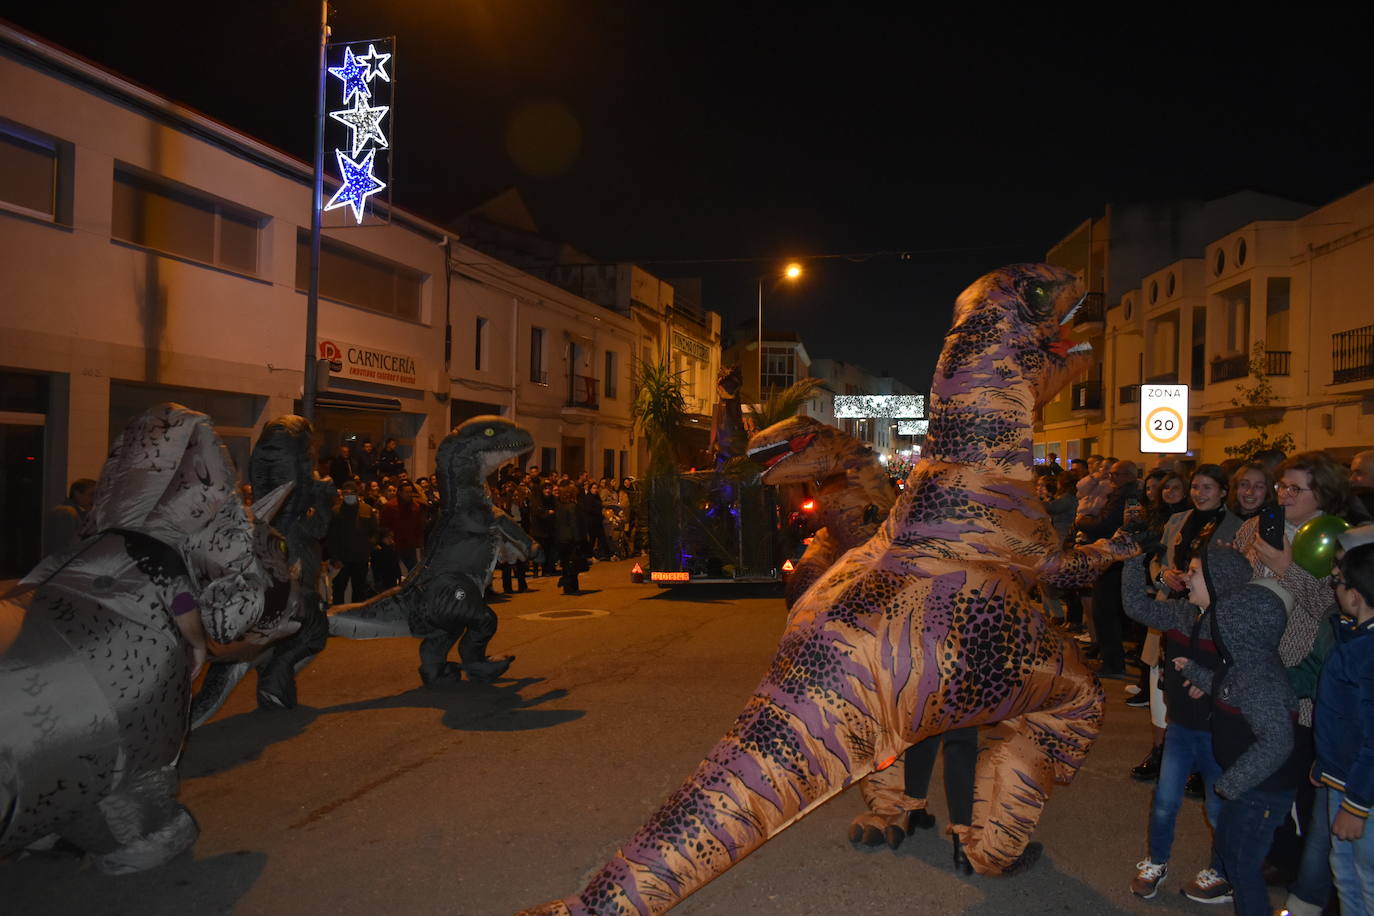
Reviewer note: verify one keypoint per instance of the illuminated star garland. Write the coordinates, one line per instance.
(353, 75)
(358, 183)
(375, 64)
(364, 123)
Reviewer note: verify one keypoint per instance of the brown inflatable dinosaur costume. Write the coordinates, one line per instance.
(931, 625)
(854, 494)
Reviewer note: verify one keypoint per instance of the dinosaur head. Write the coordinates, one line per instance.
(487, 441)
(801, 449)
(729, 381)
(1011, 328)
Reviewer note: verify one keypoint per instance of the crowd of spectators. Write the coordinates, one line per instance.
(1186, 517)
(382, 517)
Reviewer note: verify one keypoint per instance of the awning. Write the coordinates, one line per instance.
(343, 400)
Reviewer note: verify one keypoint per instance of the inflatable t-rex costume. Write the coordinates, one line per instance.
(285, 453)
(854, 495)
(445, 599)
(931, 625)
(95, 675)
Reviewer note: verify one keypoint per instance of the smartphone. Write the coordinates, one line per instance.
(1271, 526)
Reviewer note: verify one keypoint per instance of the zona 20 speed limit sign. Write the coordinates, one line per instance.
(1163, 418)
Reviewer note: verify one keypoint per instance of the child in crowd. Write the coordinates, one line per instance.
(1253, 719)
(1345, 732)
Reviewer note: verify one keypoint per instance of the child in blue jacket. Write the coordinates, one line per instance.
(1344, 724)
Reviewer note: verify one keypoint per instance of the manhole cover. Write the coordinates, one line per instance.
(564, 615)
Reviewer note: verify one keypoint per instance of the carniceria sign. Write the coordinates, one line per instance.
(368, 364)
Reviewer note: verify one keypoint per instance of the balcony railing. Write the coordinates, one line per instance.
(1230, 367)
(582, 391)
(1129, 394)
(1166, 378)
(1352, 355)
(1276, 362)
(1092, 311)
(1087, 395)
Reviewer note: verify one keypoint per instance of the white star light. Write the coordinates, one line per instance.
(358, 184)
(364, 122)
(375, 64)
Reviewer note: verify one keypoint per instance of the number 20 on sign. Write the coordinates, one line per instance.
(1163, 418)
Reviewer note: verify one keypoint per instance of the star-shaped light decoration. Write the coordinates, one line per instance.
(375, 64)
(353, 75)
(364, 122)
(358, 184)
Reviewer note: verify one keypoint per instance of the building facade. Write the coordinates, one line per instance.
(153, 254)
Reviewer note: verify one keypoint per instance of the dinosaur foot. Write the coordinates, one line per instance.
(484, 672)
(440, 675)
(869, 829)
(152, 850)
(1024, 861)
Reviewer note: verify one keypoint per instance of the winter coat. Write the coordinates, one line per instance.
(1345, 716)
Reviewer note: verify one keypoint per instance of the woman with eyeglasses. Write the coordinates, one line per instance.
(1310, 484)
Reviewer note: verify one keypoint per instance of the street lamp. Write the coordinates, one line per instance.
(791, 272)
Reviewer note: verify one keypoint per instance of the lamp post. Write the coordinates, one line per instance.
(791, 272)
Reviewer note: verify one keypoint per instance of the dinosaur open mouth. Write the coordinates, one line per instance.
(769, 455)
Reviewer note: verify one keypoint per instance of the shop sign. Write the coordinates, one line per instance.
(691, 347)
(368, 364)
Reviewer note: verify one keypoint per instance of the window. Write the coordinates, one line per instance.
(538, 374)
(1240, 252)
(610, 374)
(608, 463)
(779, 367)
(356, 277)
(154, 213)
(1170, 284)
(480, 344)
(548, 460)
(1220, 264)
(35, 171)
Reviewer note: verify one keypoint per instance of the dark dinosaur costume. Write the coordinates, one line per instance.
(285, 453)
(95, 664)
(854, 495)
(727, 419)
(931, 625)
(444, 601)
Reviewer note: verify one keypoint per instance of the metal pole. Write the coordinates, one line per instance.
(312, 296)
(760, 353)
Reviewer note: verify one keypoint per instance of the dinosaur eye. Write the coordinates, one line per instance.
(490, 431)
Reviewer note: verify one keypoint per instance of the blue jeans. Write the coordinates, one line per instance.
(1185, 750)
(1243, 836)
(1352, 864)
(1313, 884)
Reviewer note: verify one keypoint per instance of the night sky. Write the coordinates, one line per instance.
(716, 140)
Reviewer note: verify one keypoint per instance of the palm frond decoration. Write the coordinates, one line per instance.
(660, 408)
(785, 403)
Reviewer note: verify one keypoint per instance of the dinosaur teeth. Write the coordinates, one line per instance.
(1068, 316)
(1083, 347)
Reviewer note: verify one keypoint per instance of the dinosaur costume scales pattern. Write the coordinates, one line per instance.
(444, 601)
(933, 624)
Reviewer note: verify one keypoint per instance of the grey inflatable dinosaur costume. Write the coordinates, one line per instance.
(98, 643)
(284, 454)
(444, 601)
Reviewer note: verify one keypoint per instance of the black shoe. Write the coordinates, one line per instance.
(1195, 787)
(1148, 770)
(485, 672)
(1140, 700)
(962, 866)
(440, 675)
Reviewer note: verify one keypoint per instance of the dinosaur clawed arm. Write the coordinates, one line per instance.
(1080, 566)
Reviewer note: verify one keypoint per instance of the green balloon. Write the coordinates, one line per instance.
(1314, 546)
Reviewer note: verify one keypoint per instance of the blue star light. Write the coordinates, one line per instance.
(364, 122)
(375, 64)
(358, 184)
(353, 75)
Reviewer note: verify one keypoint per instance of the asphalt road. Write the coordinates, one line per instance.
(378, 796)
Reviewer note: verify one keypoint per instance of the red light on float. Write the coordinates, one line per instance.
(787, 566)
(637, 574)
(809, 505)
(670, 577)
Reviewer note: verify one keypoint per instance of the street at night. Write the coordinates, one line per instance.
(375, 795)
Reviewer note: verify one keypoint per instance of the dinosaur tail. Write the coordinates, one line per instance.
(383, 615)
(772, 768)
